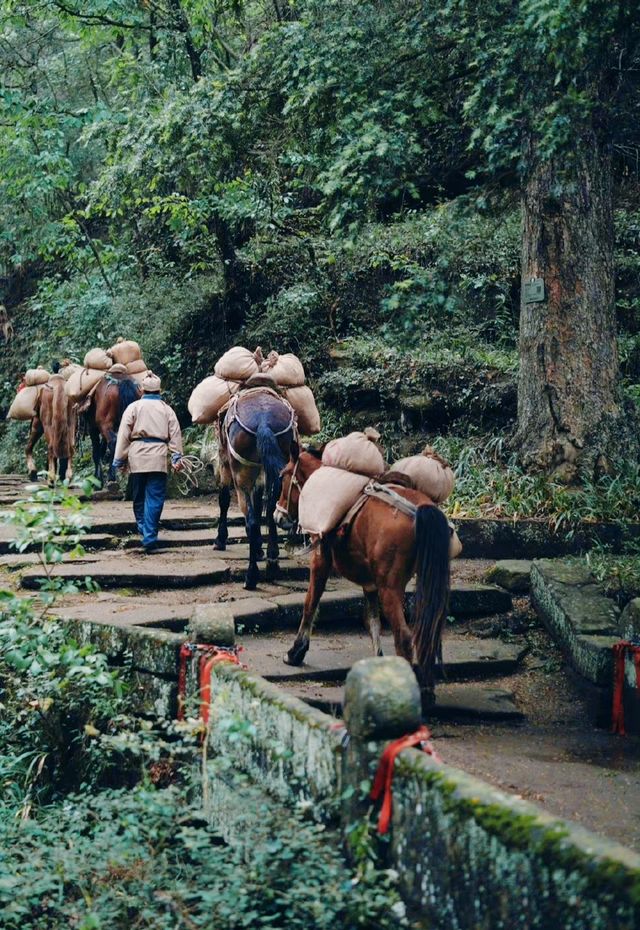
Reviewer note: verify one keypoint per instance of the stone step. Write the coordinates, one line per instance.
(331, 656)
(137, 571)
(461, 703)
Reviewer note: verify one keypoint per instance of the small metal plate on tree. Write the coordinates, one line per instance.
(533, 291)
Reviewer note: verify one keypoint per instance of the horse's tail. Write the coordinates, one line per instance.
(432, 586)
(127, 394)
(62, 422)
(273, 461)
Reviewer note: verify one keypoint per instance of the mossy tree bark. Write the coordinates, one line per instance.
(568, 354)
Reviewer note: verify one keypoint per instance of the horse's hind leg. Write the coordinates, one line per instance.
(392, 603)
(224, 499)
(254, 512)
(52, 461)
(320, 570)
(96, 453)
(272, 546)
(372, 619)
(34, 436)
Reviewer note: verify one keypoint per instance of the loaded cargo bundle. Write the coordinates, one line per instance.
(209, 397)
(69, 369)
(83, 381)
(125, 351)
(137, 367)
(24, 403)
(98, 359)
(326, 498)
(304, 404)
(238, 364)
(35, 376)
(286, 370)
(357, 453)
(430, 474)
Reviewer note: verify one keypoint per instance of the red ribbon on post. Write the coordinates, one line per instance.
(210, 656)
(382, 783)
(617, 709)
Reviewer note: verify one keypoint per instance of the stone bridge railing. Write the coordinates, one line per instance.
(469, 856)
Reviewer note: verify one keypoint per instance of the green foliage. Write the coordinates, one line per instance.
(55, 692)
(148, 858)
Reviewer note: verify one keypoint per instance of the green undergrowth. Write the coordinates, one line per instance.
(105, 819)
(619, 575)
(491, 483)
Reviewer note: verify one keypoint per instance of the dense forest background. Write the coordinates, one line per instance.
(339, 179)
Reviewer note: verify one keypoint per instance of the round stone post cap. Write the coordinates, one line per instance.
(213, 624)
(382, 699)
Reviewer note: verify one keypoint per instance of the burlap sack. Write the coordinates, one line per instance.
(125, 351)
(68, 370)
(237, 364)
(356, 453)
(137, 366)
(34, 376)
(209, 397)
(24, 403)
(98, 359)
(81, 382)
(304, 404)
(429, 473)
(286, 370)
(327, 496)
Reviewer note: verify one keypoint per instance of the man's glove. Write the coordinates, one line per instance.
(120, 463)
(176, 462)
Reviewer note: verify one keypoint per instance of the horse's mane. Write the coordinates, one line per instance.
(127, 394)
(315, 451)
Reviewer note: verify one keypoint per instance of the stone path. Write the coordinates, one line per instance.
(503, 683)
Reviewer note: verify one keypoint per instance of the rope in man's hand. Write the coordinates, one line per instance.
(188, 474)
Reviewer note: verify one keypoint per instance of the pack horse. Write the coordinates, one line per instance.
(56, 419)
(255, 439)
(396, 533)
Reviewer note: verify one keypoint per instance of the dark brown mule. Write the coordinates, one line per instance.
(381, 551)
(56, 418)
(102, 419)
(255, 438)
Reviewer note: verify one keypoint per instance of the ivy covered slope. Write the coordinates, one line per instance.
(302, 174)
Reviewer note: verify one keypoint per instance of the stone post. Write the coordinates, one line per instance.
(213, 624)
(381, 703)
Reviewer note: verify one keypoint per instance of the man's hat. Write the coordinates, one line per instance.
(151, 383)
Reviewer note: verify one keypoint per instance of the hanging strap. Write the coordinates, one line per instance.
(382, 784)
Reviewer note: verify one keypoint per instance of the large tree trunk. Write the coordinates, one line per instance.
(568, 356)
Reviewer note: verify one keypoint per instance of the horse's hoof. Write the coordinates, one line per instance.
(33, 475)
(113, 486)
(428, 700)
(251, 581)
(297, 653)
(219, 546)
(260, 555)
(271, 571)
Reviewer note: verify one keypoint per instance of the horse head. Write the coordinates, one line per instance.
(296, 472)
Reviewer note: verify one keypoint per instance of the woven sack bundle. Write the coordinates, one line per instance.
(238, 364)
(304, 404)
(125, 351)
(24, 403)
(356, 453)
(430, 474)
(326, 497)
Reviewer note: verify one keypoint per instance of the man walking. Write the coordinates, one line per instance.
(149, 429)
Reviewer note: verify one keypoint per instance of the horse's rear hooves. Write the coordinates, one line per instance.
(219, 546)
(33, 475)
(296, 655)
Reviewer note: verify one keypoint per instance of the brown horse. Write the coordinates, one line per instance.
(381, 550)
(56, 418)
(103, 414)
(255, 438)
